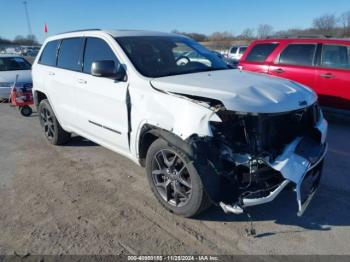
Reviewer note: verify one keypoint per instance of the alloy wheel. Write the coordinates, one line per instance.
(47, 123)
(171, 177)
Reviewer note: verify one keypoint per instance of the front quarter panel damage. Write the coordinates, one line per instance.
(244, 159)
(175, 114)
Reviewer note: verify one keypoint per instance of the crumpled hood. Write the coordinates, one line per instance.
(24, 76)
(240, 91)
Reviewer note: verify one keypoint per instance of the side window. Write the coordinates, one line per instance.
(48, 56)
(260, 52)
(69, 54)
(96, 50)
(242, 50)
(335, 56)
(298, 54)
(233, 50)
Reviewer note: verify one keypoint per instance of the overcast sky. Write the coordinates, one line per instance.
(203, 16)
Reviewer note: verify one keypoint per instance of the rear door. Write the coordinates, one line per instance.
(296, 62)
(256, 58)
(54, 75)
(333, 76)
(61, 85)
(102, 102)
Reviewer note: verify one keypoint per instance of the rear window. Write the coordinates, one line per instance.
(14, 63)
(70, 53)
(48, 56)
(298, 54)
(335, 56)
(260, 52)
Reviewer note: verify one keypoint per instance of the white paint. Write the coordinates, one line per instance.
(240, 91)
(103, 101)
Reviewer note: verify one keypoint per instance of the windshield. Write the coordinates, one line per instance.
(14, 63)
(158, 56)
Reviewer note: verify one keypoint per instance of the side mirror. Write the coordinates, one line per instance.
(108, 68)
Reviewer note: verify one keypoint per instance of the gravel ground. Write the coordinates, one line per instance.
(84, 199)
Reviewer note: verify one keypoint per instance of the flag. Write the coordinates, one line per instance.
(45, 29)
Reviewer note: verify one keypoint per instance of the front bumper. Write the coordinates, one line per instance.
(300, 164)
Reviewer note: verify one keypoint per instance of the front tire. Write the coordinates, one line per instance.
(174, 180)
(53, 131)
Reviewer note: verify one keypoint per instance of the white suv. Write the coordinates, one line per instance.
(236, 52)
(205, 133)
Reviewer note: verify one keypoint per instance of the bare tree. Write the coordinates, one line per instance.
(247, 33)
(344, 20)
(221, 36)
(264, 30)
(325, 23)
(28, 40)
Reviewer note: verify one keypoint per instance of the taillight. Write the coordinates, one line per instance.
(240, 67)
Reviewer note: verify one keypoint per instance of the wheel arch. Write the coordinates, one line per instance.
(150, 133)
(38, 97)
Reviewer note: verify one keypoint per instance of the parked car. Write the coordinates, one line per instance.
(204, 132)
(230, 62)
(13, 50)
(10, 67)
(320, 63)
(236, 52)
(32, 53)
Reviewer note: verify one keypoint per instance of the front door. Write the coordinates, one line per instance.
(102, 112)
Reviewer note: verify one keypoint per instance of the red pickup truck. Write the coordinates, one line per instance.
(322, 64)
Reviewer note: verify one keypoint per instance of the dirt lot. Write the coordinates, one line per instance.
(84, 199)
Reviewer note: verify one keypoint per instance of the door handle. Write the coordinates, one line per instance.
(327, 75)
(278, 70)
(51, 73)
(82, 81)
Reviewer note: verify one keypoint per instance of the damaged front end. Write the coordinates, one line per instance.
(253, 157)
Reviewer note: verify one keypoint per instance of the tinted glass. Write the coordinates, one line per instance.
(336, 56)
(242, 49)
(48, 56)
(157, 56)
(298, 54)
(233, 50)
(69, 54)
(14, 63)
(96, 50)
(260, 52)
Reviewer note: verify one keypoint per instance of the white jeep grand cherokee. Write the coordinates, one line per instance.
(205, 133)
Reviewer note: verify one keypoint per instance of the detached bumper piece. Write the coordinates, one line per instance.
(308, 186)
(300, 164)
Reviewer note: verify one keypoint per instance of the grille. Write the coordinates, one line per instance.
(266, 132)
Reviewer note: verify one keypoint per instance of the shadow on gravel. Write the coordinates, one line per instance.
(330, 206)
(78, 141)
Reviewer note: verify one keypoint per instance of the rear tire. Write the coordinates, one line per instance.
(53, 131)
(174, 180)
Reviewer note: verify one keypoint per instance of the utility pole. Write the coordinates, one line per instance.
(27, 16)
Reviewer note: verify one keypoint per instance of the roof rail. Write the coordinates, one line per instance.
(80, 30)
(299, 36)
